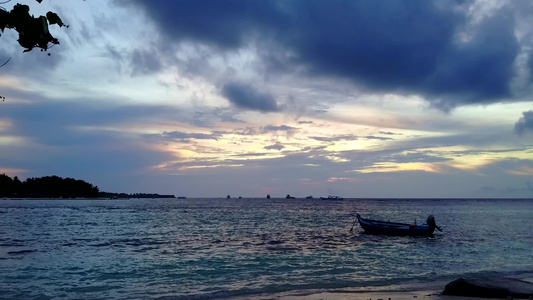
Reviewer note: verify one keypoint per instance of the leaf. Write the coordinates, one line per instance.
(20, 10)
(53, 18)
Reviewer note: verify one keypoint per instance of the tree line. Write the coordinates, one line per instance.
(46, 187)
(135, 195)
(57, 187)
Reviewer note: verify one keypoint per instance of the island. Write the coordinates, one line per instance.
(55, 187)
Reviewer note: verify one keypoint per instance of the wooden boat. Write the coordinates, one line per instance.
(392, 228)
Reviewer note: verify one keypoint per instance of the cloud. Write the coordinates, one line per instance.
(379, 138)
(269, 128)
(337, 138)
(145, 62)
(222, 24)
(388, 133)
(246, 97)
(525, 123)
(438, 50)
(276, 146)
(34, 64)
(185, 137)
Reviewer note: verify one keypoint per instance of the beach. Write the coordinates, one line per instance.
(344, 295)
(431, 291)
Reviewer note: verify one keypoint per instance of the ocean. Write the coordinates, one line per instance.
(220, 248)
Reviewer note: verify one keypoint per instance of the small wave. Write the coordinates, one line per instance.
(12, 245)
(121, 243)
(104, 244)
(21, 252)
(275, 242)
(284, 248)
(145, 249)
(43, 297)
(84, 239)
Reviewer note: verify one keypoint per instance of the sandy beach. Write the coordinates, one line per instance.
(345, 295)
(414, 292)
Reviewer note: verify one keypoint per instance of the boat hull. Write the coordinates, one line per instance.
(394, 229)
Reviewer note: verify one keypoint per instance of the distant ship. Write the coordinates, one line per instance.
(268, 196)
(289, 197)
(228, 197)
(309, 197)
(182, 197)
(332, 198)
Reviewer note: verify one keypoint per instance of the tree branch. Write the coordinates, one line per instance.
(5, 62)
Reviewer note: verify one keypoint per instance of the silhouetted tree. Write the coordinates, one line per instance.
(57, 187)
(6, 186)
(33, 32)
(46, 187)
(17, 186)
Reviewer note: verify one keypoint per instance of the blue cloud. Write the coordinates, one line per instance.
(246, 97)
(525, 123)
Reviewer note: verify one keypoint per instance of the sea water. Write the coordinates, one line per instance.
(219, 248)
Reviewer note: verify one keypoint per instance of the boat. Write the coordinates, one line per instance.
(289, 197)
(309, 197)
(331, 198)
(401, 229)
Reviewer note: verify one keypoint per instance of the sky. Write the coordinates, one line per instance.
(208, 98)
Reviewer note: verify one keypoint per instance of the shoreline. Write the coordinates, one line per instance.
(427, 291)
(359, 295)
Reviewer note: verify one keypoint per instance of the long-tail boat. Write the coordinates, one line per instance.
(393, 228)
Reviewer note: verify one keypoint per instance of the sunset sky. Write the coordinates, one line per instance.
(247, 98)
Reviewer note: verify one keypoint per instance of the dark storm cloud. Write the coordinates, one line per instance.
(525, 123)
(479, 70)
(224, 24)
(390, 46)
(245, 96)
